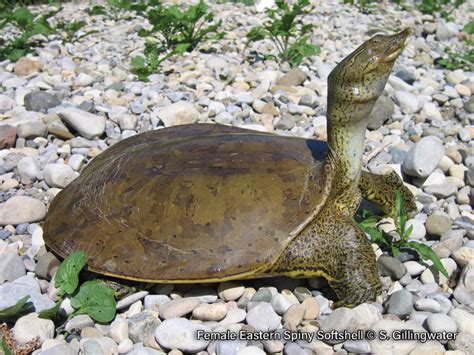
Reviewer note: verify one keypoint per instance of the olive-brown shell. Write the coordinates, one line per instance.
(189, 203)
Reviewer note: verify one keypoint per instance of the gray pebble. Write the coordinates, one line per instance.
(262, 295)
(423, 157)
(11, 267)
(40, 101)
(389, 266)
(400, 303)
(263, 318)
(131, 299)
(180, 333)
(142, 325)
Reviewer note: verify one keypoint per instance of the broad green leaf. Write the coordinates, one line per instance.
(50, 313)
(20, 307)
(67, 276)
(96, 300)
(469, 28)
(4, 347)
(427, 253)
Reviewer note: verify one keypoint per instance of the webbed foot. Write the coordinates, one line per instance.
(381, 190)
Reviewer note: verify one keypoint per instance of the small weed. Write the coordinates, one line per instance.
(70, 32)
(286, 29)
(462, 58)
(365, 6)
(174, 32)
(393, 245)
(28, 25)
(444, 8)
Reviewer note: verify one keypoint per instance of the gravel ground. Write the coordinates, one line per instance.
(64, 107)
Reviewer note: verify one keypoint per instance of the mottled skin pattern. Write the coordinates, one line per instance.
(332, 245)
(202, 203)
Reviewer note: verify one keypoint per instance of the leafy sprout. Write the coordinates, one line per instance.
(390, 244)
(285, 28)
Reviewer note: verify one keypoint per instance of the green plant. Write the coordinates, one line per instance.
(20, 307)
(444, 8)
(69, 31)
(120, 9)
(391, 244)
(365, 6)
(286, 29)
(28, 24)
(174, 32)
(173, 26)
(462, 58)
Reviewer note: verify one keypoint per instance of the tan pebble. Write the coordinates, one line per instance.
(119, 331)
(288, 294)
(312, 308)
(175, 352)
(454, 154)
(462, 90)
(457, 171)
(210, 312)
(125, 346)
(90, 332)
(294, 316)
(230, 291)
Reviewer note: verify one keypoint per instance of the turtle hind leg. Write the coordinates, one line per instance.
(357, 279)
(381, 190)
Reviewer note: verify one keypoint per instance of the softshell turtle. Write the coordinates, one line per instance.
(206, 203)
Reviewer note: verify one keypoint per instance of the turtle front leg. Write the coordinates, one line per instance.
(381, 190)
(356, 280)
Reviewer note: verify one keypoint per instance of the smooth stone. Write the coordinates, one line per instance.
(428, 305)
(366, 314)
(180, 333)
(442, 191)
(285, 122)
(84, 79)
(79, 322)
(154, 302)
(341, 319)
(6, 103)
(263, 318)
(447, 245)
(294, 77)
(293, 317)
(11, 267)
(281, 303)
(463, 319)
(210, 312)
(119, 331)
(392, 346)
(462, 345)
(28, 169)
(230, 291)
(469, 105)
(438, 323)
(58, 129)
(40, 101)
(178, 307)
(312, 308)
(142, 325)
(250, 350)
(430, 347)
(139, 349)
(437, 224)
(32, 130)
(7, 136)
(59, 175)
(86, 124)
(131, 299)
(98, 345)
(408, 102)
(204, 295)
(463, 255)
(431, 111)
(262, 295)
(125, 346)
(357, 346)
(414, 268)
(26, 66)
(60, 349)
(423, 157)
(464, 291)
(178, 113)
(11, 293)
(294, 349)
(30, 326)
(390, 266)
(21, 209)
(76, 161)
(400, 304)
(383, 110)
(235, 315)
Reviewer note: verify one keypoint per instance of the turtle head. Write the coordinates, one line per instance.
(359, 79)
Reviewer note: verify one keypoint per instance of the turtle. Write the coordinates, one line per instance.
(210, 203)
